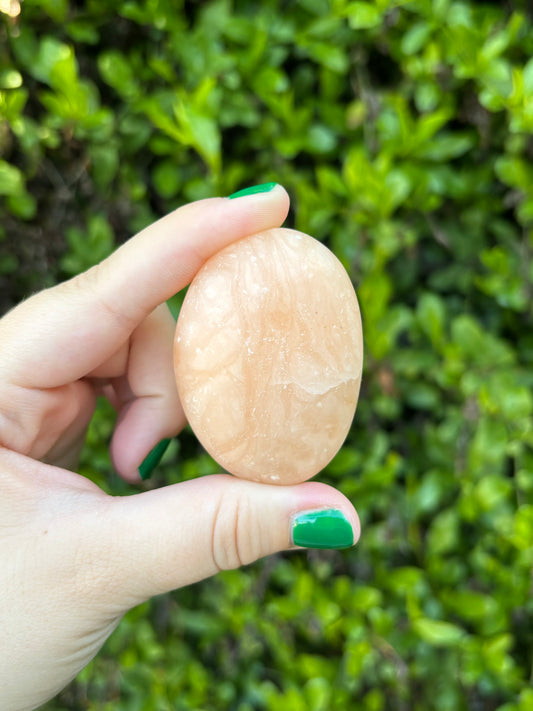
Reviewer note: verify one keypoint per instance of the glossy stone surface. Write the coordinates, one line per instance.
(268, 356)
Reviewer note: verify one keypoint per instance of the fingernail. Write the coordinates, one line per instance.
(152, 459)
(253, 190)
(324, 528)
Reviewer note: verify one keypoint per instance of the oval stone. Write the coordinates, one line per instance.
(268, 356)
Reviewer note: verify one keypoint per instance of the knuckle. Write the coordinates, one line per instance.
(86, 282)
(233, 542)
(93, 283)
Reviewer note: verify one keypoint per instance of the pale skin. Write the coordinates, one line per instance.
(73, 559)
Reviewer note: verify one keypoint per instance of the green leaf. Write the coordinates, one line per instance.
(83, 31)
(438, 633)
(445, 146)
(398, 186)
(471, 604)
(406, 580)
(318, 694)
(201, 132)
(321, 139)
(490, 443)
(444, 532)
(416, 37)
(88, 247)
(514, 171)
(167, 178)
(22, 205)
(57, 9)
(118, 72)
(56, 65)
(431, 315)
(363, 15)
(104, 163)
(364, 598)
(11, 179)
(334, 58)
(527, 76)
(522, 536)
(12, 105)
(10, 79)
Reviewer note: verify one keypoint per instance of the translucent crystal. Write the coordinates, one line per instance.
(268, 356)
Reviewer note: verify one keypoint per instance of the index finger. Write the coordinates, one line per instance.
(65, 332)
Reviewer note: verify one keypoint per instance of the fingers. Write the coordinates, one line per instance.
(64, 333)
(151, 410)
(171, 537)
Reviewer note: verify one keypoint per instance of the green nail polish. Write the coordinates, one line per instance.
(254, 190)
(152, 459)
(325, 528)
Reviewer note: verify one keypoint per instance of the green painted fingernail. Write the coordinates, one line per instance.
(254, 190)
(324, 528)
(152, 459)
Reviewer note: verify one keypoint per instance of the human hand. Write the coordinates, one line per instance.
(73, 560)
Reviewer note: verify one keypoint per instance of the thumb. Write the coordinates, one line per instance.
(174, 536)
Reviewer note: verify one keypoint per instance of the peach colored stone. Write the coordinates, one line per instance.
(268, 356)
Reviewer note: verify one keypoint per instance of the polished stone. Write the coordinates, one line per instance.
(268, 356)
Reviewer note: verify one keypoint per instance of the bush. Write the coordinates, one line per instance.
(402, 131)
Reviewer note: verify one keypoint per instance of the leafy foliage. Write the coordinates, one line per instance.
(402, 131)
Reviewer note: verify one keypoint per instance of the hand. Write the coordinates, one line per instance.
(73, 560)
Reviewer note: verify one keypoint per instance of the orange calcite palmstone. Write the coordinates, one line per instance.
(268, 356)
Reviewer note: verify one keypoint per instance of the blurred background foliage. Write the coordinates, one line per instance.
(403, 132)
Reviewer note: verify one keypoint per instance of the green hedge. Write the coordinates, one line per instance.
(403, 132)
